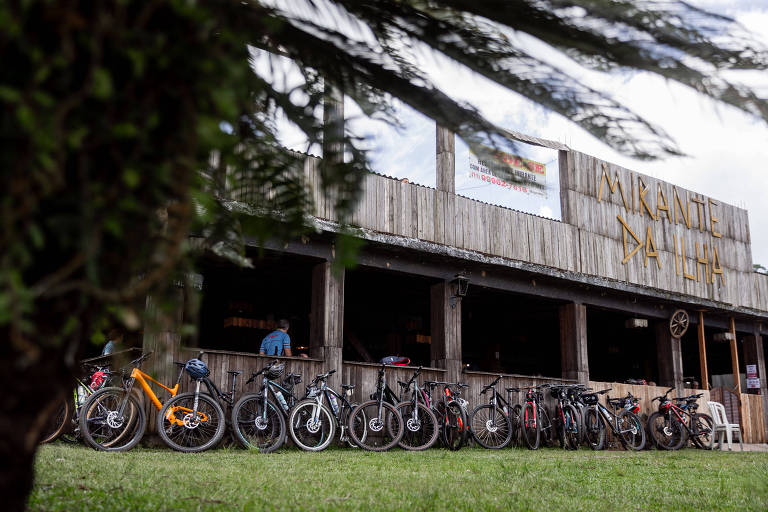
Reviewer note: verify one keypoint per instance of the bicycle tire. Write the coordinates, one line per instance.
(59, 423)
(594, 429)
(547, 428)
(490, 427)
(530, 427)
(252, 430)
(418, 435)
(381, 434)
(572, 429)
(455, 426)
(515, 418)
(634, 439)
(102, 428)
(362, 425)
(194, 434)
(666, 433)
(306, 434)
(702, 431)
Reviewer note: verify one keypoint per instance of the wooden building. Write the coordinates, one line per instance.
(585, 299)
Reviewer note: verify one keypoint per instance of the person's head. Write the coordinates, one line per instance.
(283, 325)
(115, 334)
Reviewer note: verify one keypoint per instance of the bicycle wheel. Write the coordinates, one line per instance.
(104, 427)
(490, 427)
(631, 432)
(256, 427)
(594, 429)
(547, 428)
(530, 427)
(666, 433)
(515, 419)
(360, 422)
(572, 428)
(186, 432)
(702, 431)
(421, 430)
(311, 425)
(59, 423)
(373, 431)
(455, 427)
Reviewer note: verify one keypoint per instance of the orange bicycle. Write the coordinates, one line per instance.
(113, 418)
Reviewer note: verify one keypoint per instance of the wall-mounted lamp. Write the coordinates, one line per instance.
(461, 285)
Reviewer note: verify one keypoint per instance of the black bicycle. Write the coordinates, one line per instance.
(623, 423)
(490, 425)
(258, 421)
(451, 413)
(567, 419)
(421, 425)
(535, 424)
(376, 425)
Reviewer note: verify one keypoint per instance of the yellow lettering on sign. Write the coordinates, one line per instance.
(624, 231)
(650, 248)
(700, 209)
(661, 204)
(702, 261)
(612, 186)
(686, 212)
(712, 219)
(682, 257)
(642, 190)
(716, 268)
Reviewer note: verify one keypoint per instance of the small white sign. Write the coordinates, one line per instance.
(751, 370)
(753, 383)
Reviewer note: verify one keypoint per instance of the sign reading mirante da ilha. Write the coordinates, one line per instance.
(695, 213)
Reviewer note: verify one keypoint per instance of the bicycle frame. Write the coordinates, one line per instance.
(142, 378)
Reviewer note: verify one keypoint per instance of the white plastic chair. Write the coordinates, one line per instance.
(722, 428)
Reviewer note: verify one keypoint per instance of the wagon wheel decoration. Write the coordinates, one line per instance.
(678, 323)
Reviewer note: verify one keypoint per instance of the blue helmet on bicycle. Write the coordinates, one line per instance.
(197, 369)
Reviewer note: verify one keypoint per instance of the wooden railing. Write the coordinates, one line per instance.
(364, 377)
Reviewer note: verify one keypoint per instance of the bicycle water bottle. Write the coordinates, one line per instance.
(82, 395)
(281, 399)
(334, 403)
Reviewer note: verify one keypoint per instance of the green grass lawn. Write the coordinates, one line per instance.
(72, 478)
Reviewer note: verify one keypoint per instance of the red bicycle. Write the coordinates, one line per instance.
(674, 423)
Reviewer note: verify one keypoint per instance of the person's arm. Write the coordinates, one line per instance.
(287, 345)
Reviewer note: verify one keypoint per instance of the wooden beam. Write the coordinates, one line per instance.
(670, 358)
(735, 360)
(445, 324)
(703, 352)
(446, 159)
(574, 357)
(326, 329)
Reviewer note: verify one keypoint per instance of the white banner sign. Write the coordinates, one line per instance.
(753, 383)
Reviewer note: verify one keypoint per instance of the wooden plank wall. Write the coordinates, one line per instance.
(647, 394)
(220, 361)
(478, 380)
(753, 423)
(364, 376)
(589, 240)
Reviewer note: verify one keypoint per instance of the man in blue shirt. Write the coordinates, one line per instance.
(278, 341)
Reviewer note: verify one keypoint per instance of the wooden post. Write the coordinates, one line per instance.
(446, 330)
(754, 354)
(162, 337)
(574, 357)
(670, 358)
(703, 352)
(735, 360)
(333, 125)
(327, 319)
(446, 159)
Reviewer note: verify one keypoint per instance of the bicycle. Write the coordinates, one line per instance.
(668, 427)
(567, 419)
(535, 423)
(312, 424)
(489, 423)
(259, 422)
(376, 425)
(421, 424)
(113, 418)
(623, 423)
(64, 423)
(451, 412)
(195, 422)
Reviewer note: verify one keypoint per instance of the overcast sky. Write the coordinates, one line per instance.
(727, 150)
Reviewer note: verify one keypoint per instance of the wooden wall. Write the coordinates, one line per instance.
(364, 376)
(753, 424)
(588, 241)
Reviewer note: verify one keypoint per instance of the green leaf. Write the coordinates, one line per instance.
(125, 130)
(9, 94)
(102, 84)
(131, 177)
(76, 136)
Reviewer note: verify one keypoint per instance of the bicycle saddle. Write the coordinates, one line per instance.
(347, 386)
(234, 372)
